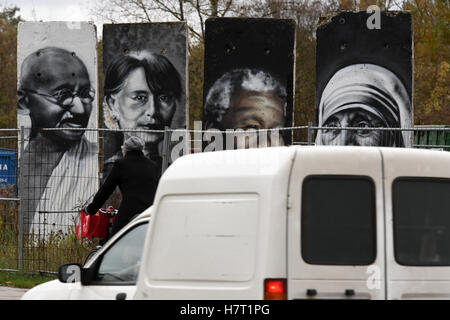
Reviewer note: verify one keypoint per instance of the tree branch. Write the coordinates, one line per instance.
(142, 6)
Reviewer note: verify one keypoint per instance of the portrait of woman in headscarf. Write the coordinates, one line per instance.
(364, 96)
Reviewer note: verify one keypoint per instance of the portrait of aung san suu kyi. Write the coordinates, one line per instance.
(141, 91)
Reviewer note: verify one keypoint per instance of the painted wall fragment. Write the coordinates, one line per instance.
(364, 78)
(145, 84)
(57, 89)
(249, 73)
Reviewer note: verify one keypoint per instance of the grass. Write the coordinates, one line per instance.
(23, 280)
(42, 255)
(39, 254)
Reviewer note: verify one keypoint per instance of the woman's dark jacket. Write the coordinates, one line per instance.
(137, 178)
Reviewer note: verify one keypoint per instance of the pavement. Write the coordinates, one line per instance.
(9, 293)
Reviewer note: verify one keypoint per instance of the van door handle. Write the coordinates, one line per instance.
(121, 296)
(349, 292)
(311, 292)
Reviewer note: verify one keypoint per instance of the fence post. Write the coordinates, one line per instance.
(21, 207)
(165, 151)
(309, 133)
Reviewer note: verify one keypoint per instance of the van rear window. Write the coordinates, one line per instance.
(421, 208)
(338, 220)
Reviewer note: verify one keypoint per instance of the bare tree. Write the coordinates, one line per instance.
(194, 12)
(306, 13)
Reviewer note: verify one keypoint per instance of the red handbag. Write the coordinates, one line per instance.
(93, 226)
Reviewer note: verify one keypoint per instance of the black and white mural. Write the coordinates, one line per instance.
(364, 79)
(144, 84)
(248, 75)
(57, 81)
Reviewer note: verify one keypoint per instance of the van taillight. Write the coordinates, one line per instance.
(275, 289)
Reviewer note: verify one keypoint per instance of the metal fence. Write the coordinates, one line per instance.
(42, 186)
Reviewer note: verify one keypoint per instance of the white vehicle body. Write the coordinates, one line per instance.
(224, 222)
(100, 290)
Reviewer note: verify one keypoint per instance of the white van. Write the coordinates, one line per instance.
(301, 222)
(109, 274)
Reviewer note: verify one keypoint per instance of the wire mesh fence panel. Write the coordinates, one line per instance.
(9, 204)
(363, 136)
(42, 188)
(435, 138)
(56, 179)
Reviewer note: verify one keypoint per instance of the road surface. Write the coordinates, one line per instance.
(8, 293)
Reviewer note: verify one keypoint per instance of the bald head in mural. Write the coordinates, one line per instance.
(55, 92)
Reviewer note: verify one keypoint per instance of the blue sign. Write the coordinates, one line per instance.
(8, 166)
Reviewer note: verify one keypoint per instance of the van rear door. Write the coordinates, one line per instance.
(417, 187)
(336, 224)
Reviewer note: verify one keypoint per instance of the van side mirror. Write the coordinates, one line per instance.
(69, 273)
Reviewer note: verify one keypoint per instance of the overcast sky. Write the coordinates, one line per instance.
(52, 10)
(55, 10)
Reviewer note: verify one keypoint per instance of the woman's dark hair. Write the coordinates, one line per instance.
(161, 75)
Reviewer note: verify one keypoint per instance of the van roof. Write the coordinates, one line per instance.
(269, 161)
(264, 170)
(218, 164)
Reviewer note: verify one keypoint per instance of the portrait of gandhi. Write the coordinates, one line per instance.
(245, 99)
(141, 91)
(364, 96)
(55, 91)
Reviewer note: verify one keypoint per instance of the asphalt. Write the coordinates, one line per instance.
(8, 293)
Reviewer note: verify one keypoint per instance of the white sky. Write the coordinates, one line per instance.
(55, 10)
(59, 10)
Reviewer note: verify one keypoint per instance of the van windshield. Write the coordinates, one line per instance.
(338, 220)
(421, 208)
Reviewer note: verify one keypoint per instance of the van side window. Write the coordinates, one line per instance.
(421, 212)
(120, 264)
(338, 220)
